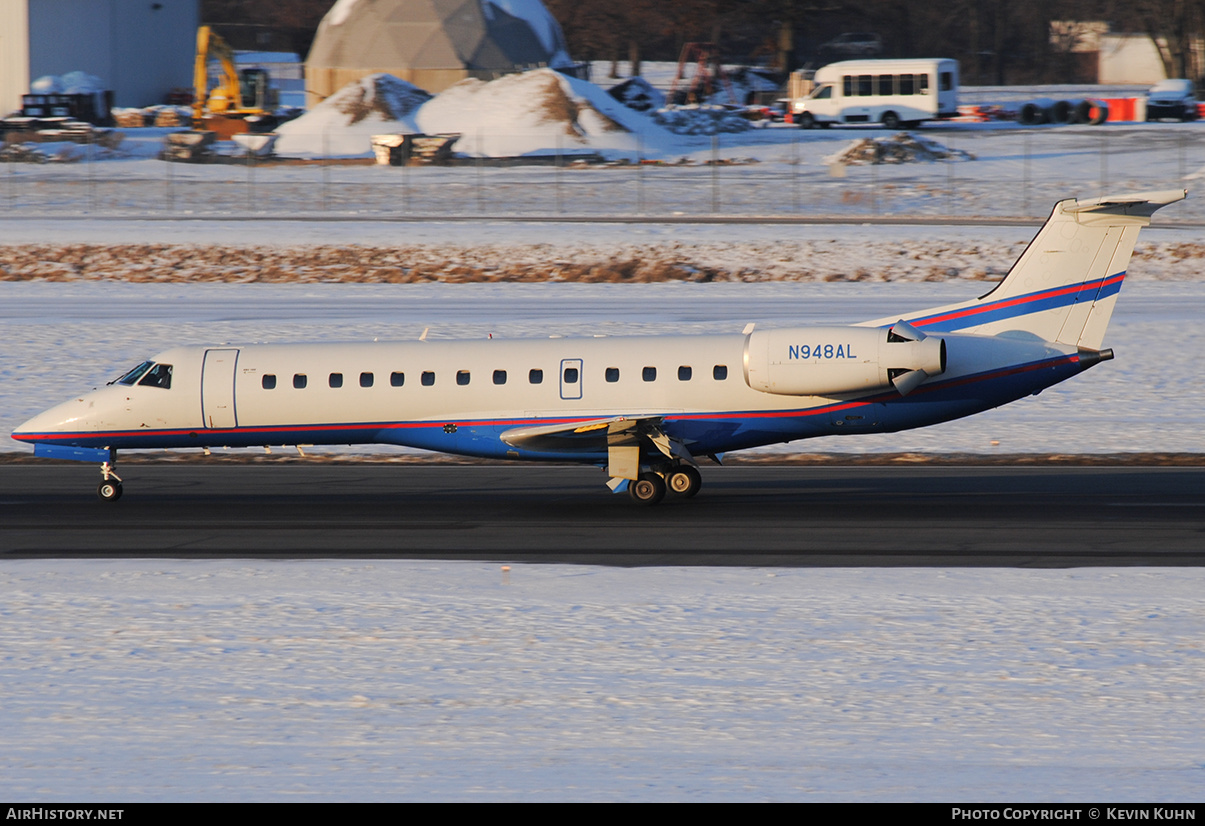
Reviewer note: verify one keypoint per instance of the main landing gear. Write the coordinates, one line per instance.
(680, 481)
(109, 489)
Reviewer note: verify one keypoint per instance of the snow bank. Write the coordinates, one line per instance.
(542, 112)
(344, 123)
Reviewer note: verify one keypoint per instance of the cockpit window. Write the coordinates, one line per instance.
(135, 374)
(158, 376)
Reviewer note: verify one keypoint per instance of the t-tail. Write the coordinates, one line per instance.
(1063, 287)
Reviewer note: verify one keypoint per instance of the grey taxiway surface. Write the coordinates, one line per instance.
(788, 516)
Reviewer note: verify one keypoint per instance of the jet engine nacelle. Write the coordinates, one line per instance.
(830, 361)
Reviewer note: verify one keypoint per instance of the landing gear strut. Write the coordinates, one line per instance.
(109, 489)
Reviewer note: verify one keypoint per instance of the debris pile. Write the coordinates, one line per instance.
(700, 119)
(66, 144)
(57, 152)
(637, 93)
(189, 147)
(167, 116)
(902, 147)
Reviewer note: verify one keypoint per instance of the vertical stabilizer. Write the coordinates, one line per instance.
(1064, 286)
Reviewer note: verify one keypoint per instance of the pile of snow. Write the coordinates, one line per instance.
(542, 112)
(344, 123)
(902, 147)
(696, 119)
(72, 83)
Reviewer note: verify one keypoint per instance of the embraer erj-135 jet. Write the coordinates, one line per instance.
(643, 408)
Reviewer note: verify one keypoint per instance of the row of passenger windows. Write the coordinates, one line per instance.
(866, 85)
(535, 376)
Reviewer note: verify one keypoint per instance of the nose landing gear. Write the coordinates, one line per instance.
(109, 489)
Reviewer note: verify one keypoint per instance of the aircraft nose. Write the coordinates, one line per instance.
(68, 416)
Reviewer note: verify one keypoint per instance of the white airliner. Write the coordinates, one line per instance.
(643, 408)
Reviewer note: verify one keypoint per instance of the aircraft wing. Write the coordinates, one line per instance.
(595, 435)
(621, 437)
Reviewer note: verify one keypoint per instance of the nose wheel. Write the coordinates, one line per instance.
(109, 489)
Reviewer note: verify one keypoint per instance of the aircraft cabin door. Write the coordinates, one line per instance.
(217, 388)
(571, 378)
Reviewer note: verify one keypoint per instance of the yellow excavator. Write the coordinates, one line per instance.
(240, 102)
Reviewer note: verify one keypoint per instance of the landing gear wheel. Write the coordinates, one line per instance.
(891, 120)
(649, 489)
(109, 491)
(806, 120)
(684, 481)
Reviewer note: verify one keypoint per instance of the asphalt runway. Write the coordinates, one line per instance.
(781, 516)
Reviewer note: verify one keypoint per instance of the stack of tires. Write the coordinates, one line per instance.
(1037, 112)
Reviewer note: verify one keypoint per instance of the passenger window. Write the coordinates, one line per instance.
(397, 379)
(864, 85)
(684, 373)
(570, 375)
(499, 377)
(886, 84)
(366, 379)
(299, 381)
(719, 372)
(536, 376)
(947, 81)
(906, 87)
(428, 378)
(847, 83)
(269, 381)
(336, 380)
(158, 376)
(612, 374)
(462, 377)
(650, 374)
(923, 82)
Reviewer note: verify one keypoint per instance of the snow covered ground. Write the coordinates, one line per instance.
(313, 680)
(210, 680)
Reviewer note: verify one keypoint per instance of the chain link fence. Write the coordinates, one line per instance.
(1014, 173)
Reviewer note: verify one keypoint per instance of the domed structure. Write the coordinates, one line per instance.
(431, 43)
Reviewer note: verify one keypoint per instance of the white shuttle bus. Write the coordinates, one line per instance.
(891, 92)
